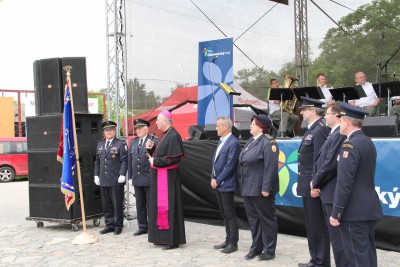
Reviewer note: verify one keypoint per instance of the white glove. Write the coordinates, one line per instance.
(121, 179)
(97, 180)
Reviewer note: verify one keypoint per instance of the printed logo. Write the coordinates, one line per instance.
(284, 165)
(206, 51)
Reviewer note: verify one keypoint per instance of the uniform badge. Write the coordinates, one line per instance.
(273, 148)
(345, 154)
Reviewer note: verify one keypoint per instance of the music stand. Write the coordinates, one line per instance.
(312, 92)
(392, 88)
(347, 93)
(280, 94)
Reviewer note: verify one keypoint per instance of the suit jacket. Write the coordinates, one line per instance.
(112, 162)
(325, 167)
(225, 165)
(355, 196)
(309, 148)
(138, 162)
(259, 166)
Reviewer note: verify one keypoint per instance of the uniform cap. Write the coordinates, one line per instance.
(352, 111)
(140, 123)
(108, 124)
(310, 103)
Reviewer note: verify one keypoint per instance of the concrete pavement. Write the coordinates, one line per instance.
(23, 244)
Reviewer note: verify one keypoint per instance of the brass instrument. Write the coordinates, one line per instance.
(289, 105)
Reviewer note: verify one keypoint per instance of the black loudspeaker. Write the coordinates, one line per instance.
(211, 131)
(79, 82)
(37, 89)
(47, 202)
(49, 80)
(196, 132)
(381, 126)
(43, 132)
(50, 89)
(45, 197)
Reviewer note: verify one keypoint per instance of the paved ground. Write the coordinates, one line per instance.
(23, 244)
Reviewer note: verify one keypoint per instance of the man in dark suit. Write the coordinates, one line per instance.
(110, 169)
(324, 179)
(224, 179)
(139, 172)
(356, 205)
(314, 138)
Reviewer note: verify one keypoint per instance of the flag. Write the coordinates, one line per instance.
(68, 150)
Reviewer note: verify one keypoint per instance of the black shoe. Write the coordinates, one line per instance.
(117, 231)
(168, 247)
(140, 232)
(251, 255)
(266, 257)
(223, 245)
(107, 230)
(230, 248)
(309, 264)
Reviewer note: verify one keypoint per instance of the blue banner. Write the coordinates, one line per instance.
(387, 176)
(215, 66)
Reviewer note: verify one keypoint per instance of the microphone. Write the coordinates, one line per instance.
(152, 136)
(215, 58)
(151, 139)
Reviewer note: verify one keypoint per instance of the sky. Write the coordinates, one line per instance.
(163, 36)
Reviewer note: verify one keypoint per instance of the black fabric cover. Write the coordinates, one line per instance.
(200, 203)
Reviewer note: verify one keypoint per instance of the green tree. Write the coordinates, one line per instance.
(358, 49)
(255, 80)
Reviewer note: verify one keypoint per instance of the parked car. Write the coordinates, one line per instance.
(13, 158)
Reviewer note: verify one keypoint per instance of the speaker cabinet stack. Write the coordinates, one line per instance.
(46, 201)
(49, 81)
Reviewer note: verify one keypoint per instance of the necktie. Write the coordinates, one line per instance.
(107, 144)
(140, 142)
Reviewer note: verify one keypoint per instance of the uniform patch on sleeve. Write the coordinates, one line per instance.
(273, 148)
(348, 145)
(345, 154)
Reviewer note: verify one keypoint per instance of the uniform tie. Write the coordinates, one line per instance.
(140, 142)
(107, 144)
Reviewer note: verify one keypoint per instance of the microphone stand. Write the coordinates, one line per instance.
(385, 66)
(378, 74)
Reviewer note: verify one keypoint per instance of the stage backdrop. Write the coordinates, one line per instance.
(200, 201)
(215, 66)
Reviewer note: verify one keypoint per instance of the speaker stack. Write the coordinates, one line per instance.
(46, 201)
(49, 80)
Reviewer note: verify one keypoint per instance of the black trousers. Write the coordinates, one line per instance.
(336, 239)
(228, 213)
(359, 243)
(112, 200)
(263, 223)
(142, 205)
(317, 232)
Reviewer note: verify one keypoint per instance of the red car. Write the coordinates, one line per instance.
(13, 158)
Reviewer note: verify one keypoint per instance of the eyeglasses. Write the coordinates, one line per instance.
(331, 113)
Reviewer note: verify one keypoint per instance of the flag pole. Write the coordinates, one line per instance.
(85, 237)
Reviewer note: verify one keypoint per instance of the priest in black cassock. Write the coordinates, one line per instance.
(166, 224)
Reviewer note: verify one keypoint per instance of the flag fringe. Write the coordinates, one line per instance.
(68, 194)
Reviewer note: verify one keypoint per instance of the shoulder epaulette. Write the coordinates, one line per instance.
(321, 124)
(348, 145)
(270, 138)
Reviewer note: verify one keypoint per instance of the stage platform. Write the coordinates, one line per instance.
(200, 202)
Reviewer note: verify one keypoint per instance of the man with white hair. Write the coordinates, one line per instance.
(166, 224)
(371, 100)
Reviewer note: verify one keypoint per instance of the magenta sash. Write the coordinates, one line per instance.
(162, 196)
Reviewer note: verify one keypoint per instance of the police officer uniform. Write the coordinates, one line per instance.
(356, 204)
(111, 163)
(139, 172)
(324, 178)
(316, 228)
(259, 169)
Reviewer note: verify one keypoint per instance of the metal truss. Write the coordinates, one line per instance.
(301, 41)
(116, 63)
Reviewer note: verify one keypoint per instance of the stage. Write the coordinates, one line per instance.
(200, 201)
